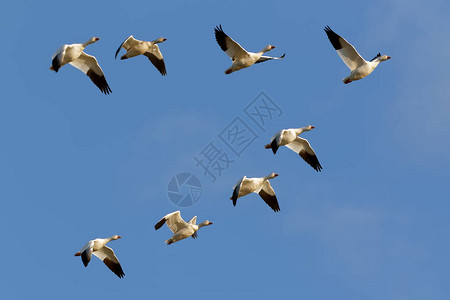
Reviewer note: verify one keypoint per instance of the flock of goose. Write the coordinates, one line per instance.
(74, 54)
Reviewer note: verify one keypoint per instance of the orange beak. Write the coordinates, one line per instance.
(388, 57)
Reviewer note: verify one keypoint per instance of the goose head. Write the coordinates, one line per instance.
(91, 41)
(271, 175)
(267, 48)
(308, 128)
(380, 58)
(205, 223)
(116, 237)
(160, 40)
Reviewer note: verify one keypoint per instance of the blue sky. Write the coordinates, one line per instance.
(76, 164)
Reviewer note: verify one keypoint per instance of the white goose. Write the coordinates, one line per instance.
(259, 186)
(98, 248)
(358, 66)
(136, 47)
(179, 227)
(239, 56)
(290, 139)
(74, 55)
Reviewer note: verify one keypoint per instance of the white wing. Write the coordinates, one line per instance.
(108, 256)
(236, 190)
(277, 135)
(173, 220)
(57, 58)
(276, 140)
(227, 44)
(346, 51)
(193, 220)
(129, 43)
(156, 57)
(265, 58)
(88, 65)
(86, 252)
(268, 195)
(304, 149)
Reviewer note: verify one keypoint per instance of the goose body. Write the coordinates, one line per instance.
(179, 227)
(239, 56)
(258, 185)
(358, 66)
(290, 138)
(151, 50)
(73, 54)
(98, 248)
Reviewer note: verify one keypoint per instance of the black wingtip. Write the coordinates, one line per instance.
(333, 37)
(318, 168)
(220, 37)
(378, 55)
(160, 224)
(274, 146)
(235, 195)
(270, 200)
(118, 49)
(55, 64)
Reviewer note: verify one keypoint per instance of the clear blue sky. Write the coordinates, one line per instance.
(76, 164)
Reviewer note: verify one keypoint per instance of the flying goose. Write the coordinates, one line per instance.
(74, 55)
(98, 248)
(179, 227)
(290, 139)
(136, 47)
(358, 66)
(239, 56)
(259, 186)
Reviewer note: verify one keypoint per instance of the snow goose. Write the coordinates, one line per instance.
(74, 55)
(259, 186)
(239, 56)
(179, 227)
(136, 47)
(358, 66)
(290, 139)
(98, 248)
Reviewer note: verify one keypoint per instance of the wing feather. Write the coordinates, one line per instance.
(110, 259)
(156, 58)
(57, 58)
(236, 189)
(266, 58)
(304, 149)
(228, 45)
(346, 51)
(88, 65)
(268, 195)
(173, 221)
